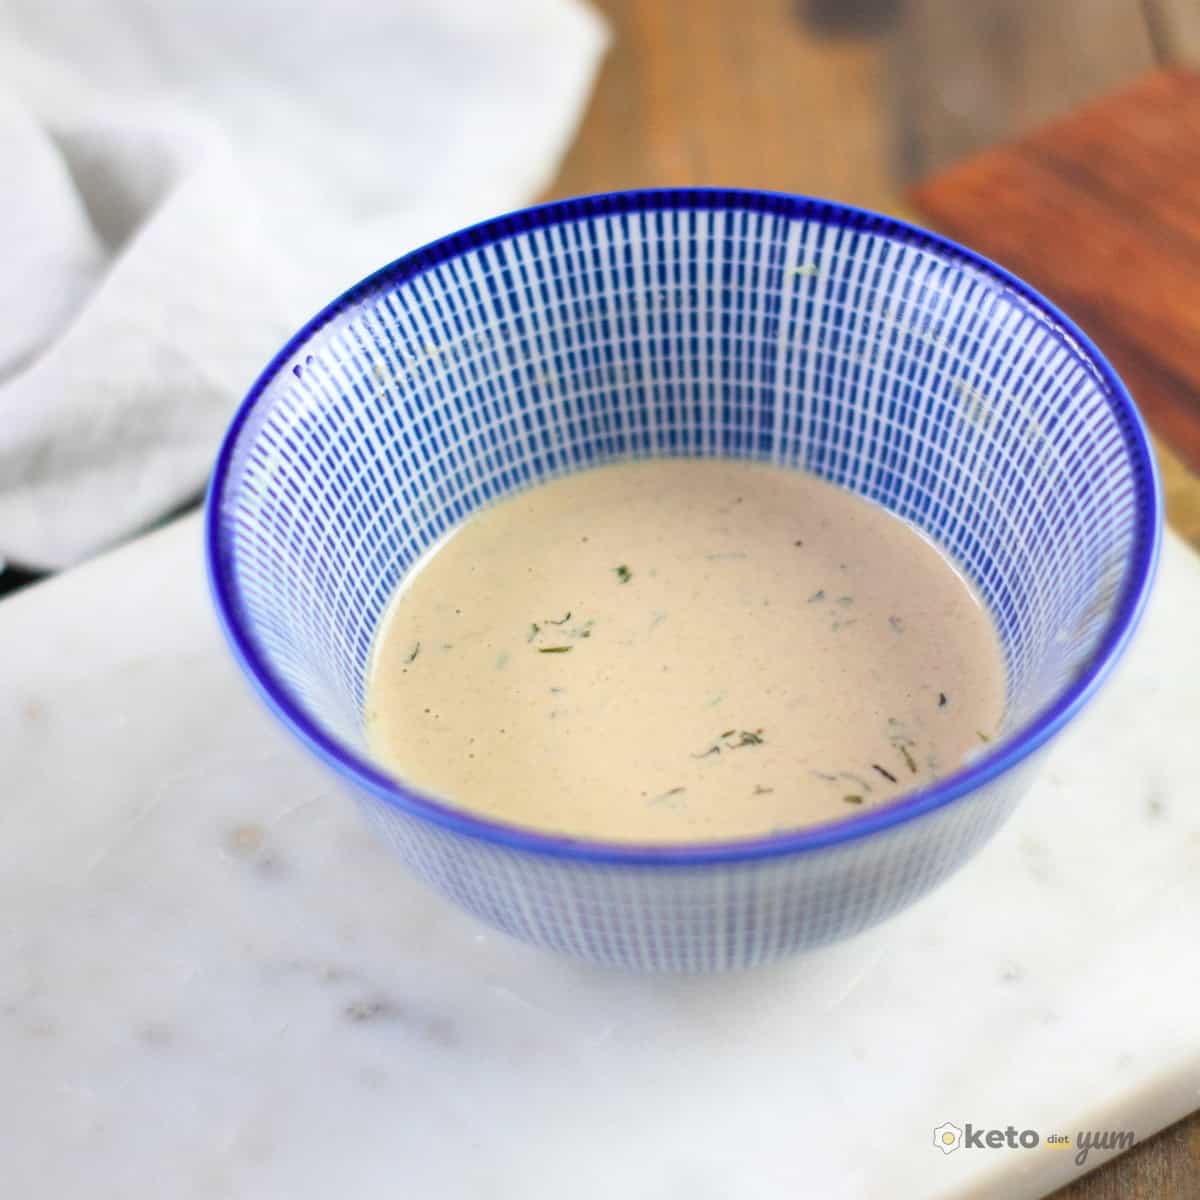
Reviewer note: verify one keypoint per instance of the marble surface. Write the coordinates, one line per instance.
(213, 984)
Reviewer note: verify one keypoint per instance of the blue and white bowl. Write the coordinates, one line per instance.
(729, 323)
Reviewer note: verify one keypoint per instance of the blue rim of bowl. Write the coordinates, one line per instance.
(1004, 757)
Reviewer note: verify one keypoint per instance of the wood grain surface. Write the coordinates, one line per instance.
(708, 92)
(1174, 27)
(857, 99)
(965, 76)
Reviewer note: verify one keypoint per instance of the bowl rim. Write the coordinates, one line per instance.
(988, 766)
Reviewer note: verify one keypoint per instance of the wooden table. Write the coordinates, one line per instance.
(859, 100)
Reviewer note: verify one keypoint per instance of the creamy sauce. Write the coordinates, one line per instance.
(682, 650)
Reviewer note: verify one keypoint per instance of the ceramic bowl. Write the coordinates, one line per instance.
(733, 323)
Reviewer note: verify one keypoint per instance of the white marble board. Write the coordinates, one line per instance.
(213, 984)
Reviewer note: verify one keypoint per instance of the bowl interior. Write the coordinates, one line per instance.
(736, 324)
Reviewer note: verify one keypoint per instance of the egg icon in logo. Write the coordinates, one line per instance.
(947, 1137)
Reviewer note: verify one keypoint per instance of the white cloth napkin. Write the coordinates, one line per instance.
(184, 183)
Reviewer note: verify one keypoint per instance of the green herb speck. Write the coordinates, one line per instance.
(555, 649)
(412, 655)
(855, 779)
(623, 573)
(852, 799)
(740, 738)
(663, 797)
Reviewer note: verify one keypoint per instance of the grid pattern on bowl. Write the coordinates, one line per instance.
(913, 380)
(700, 919)
(733, 324)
